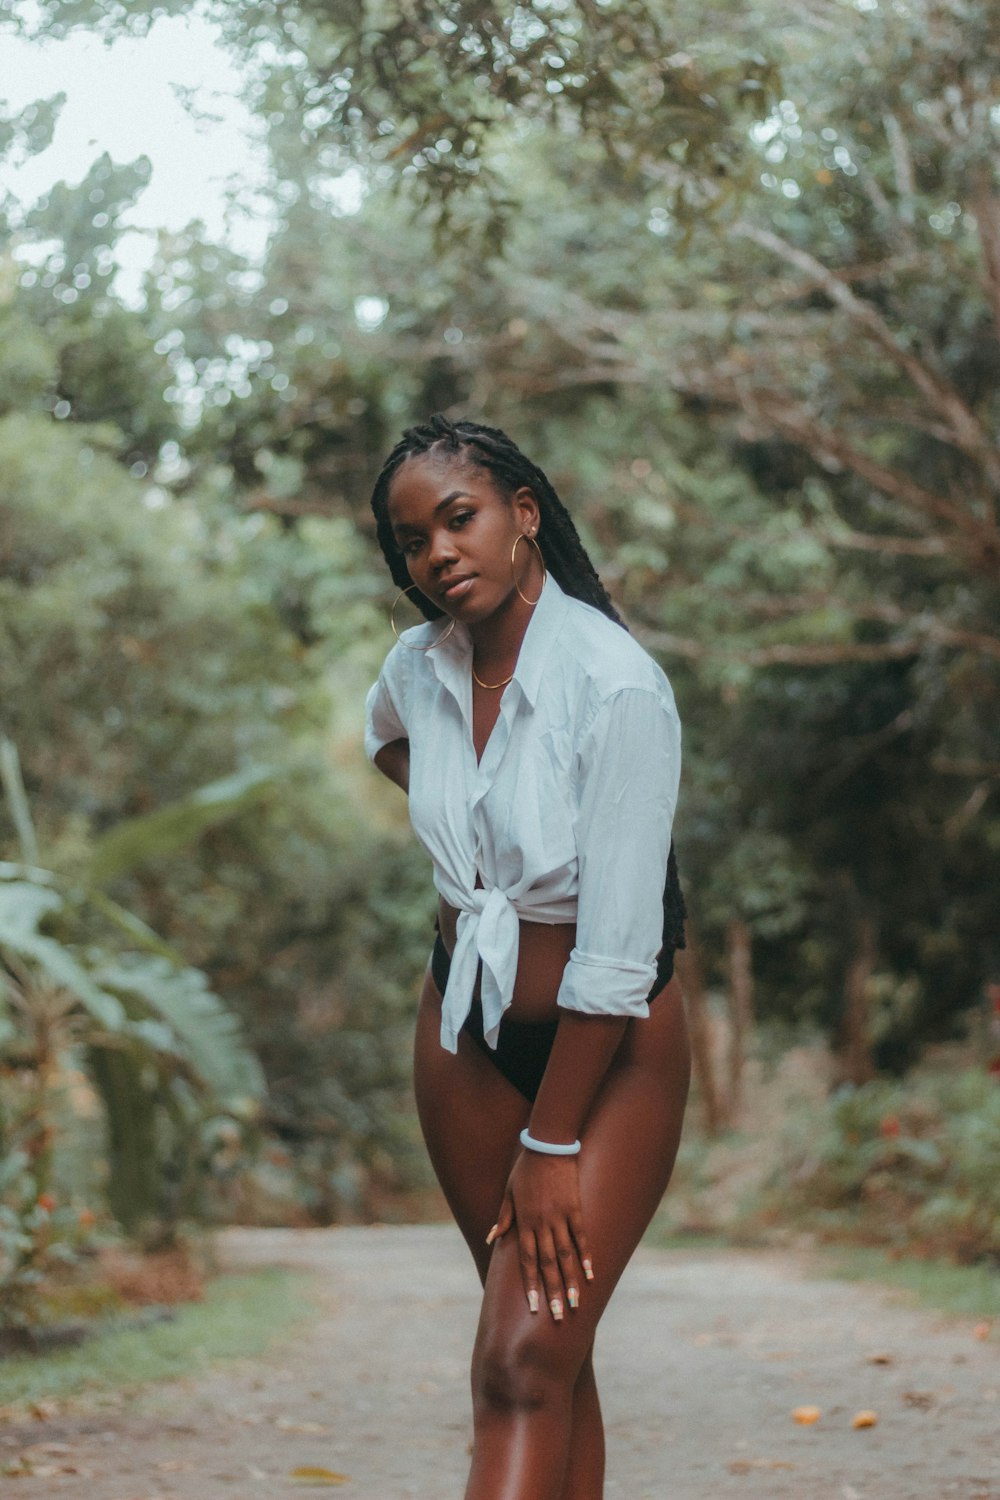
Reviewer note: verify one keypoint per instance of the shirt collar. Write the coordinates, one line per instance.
(543, 628)
(452, 658)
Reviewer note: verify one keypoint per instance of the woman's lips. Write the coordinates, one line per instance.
(457, 590)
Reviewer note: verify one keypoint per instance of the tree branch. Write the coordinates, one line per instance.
(986, 207)
(902, 165)
(981, 536)
(968, 434)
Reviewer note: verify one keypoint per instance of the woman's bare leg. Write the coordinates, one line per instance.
(538, 1424)
(471, 1117)
(525, 1367)
(584, 1477)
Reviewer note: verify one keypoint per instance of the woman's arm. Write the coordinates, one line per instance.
(582, 1050)
(627, 782)
(393, 760)
(543, 1193)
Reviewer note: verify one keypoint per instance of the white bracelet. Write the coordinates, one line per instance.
(548, 1148)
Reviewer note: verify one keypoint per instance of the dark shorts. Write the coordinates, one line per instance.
(523, 1047)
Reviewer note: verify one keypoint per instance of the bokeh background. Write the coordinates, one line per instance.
(731, 276)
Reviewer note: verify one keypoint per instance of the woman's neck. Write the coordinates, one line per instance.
(496, 642)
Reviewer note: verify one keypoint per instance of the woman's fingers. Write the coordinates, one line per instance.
(505, 1219)
(528, 1255)
(582, 1244)
(550, 1268)
(569, 1266)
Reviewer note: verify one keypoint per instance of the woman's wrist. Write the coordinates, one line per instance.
(548, 1148)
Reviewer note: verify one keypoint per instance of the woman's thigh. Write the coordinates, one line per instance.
(471, 1117)
(630, 1143)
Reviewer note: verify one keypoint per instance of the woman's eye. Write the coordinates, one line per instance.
(410, 549)
(462, 517)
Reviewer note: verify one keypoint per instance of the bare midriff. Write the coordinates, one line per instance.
(542, 956)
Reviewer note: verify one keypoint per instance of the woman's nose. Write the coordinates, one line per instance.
(442, 549)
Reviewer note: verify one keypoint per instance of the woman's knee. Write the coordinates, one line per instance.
(525, 1368)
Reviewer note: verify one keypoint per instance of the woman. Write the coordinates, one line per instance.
(540, 749)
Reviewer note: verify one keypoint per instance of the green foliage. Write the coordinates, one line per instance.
(37, 1235)
(240, 1317)
(23, 906)
(162, 1050)
(960, 1291)
(911, 1165)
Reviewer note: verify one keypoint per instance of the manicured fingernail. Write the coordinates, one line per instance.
(532, 1300)
(556, 1307)
(588, 1270)
(573, 1296)
(492, 1234)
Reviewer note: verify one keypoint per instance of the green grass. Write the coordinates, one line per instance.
(242, 1314)
(663, 1236)
(965, 1291)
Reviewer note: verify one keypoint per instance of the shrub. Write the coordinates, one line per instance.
(912, 1163)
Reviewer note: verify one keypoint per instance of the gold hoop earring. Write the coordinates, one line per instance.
(392, 621)
(524, 537)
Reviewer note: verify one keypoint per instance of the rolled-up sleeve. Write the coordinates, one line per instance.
(384, 707)
(629, 766)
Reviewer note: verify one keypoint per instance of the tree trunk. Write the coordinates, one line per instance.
(858, 1066)
(740, 1004)
(692, 977)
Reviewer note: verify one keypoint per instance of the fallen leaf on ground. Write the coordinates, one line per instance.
(865, 1419)
(983, 1330)
(44, 1409)
(922, 1400)
(50, 1471)
(316, 1429)
(746, 1465)
(806, 1415)
(312, 1474)
(880, 1359)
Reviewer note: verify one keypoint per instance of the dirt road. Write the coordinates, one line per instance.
(702, 1357)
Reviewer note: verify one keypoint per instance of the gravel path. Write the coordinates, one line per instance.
(702, 1357)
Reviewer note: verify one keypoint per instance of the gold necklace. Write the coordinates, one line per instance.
(491, 686)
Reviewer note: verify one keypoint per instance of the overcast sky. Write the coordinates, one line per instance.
(121, 99)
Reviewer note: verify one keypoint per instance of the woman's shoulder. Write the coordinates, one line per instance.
(410, 652)
(605, 656)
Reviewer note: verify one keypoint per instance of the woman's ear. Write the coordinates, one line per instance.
(526, 506)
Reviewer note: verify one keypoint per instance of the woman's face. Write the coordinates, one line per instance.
(456, 531)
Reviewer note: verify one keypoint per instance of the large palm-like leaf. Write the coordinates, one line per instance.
(175, 826)
(152, 1024)
(23, 907)
(209, 1037)
(168, 1008)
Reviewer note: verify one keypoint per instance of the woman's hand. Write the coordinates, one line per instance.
(542, 1200)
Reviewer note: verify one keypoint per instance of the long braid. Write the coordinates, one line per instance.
(565, 557)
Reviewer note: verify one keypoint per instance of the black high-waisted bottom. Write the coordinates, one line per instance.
(523, 1047)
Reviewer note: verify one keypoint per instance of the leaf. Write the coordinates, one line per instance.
(864, 1419)
(17, 801)
(23, 905)
(310, 1474)
(806, 1415)
(176, 826)
(210, 1034)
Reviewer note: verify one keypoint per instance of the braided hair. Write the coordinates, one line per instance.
(564, 554)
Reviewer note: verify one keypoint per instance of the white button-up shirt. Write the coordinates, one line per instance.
(566, 818)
